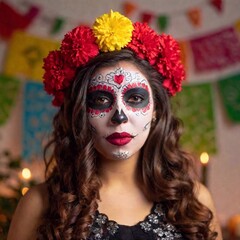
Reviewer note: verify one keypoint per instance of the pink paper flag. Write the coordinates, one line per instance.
(216, 51)
(146, 17)
(218, 4)
(11, 19)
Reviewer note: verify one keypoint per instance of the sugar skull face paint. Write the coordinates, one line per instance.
(120, 110)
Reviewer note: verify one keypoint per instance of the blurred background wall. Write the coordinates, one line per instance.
(208, 32)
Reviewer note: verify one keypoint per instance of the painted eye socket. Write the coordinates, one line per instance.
(100, 100)
(136, 97)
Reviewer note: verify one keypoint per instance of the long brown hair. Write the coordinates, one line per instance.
(163, 168)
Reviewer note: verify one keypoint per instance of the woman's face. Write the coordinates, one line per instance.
(120, 110)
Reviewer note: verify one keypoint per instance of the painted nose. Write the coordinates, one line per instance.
(119, 117)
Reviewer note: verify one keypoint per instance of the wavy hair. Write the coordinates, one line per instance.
(163, 168)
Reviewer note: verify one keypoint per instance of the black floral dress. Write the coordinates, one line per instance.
(153, 227)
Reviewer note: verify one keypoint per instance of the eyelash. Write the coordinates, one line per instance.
(102, 100)
(132, 99)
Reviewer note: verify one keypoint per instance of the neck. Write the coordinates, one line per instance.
(119, 172)
(121, 190)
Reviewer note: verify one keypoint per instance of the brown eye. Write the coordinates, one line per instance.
(135, 99)
(102, 100)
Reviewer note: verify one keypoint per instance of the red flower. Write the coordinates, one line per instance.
(145, 42)
(78, 46)
(162, 52)
(58, 75)
(58, 99)
(169, 64)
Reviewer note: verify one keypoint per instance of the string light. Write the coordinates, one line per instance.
(204, 158)
(26, 173)
(24, 190)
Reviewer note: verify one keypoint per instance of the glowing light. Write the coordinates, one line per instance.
(24, 190)
(204, 158)
(26, 173)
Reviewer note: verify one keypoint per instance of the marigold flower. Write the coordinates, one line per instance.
(169, 64)
(58, 75)
(145, 42)
(58, 99)
(79, 46)
(113, 31)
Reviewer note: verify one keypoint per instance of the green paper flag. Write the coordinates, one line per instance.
(230, 93)
(162, 22)
(9, 88)
(194, 106)
(57, 25)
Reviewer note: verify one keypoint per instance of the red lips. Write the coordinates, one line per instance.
(119, 139)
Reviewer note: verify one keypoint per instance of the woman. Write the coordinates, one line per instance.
(117, 171)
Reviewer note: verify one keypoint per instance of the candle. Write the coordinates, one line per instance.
(204, 159)
(26, 173)
(24, 190)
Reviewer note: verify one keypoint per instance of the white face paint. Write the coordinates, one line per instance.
(120, 110)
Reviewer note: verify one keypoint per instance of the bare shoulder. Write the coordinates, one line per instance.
(36, 196)
(28, 214)
(204, 196)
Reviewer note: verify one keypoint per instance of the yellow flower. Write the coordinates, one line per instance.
(113, 31)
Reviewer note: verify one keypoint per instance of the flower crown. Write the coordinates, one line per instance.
(111, 32)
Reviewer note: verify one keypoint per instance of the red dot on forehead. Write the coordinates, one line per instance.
(118, 78)
(101, 87)
(135, 85)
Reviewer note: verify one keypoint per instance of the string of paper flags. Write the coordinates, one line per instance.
(193, 14)
(12, 19)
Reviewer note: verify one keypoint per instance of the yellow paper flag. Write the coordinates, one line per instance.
(237, 26)
(184, 53)
(25, 55)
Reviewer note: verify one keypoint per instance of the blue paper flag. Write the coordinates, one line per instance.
(37, 120)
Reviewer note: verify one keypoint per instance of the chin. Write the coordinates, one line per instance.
(121, 155)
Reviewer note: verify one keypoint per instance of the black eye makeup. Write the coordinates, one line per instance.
(136, 97)
(100, 100)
